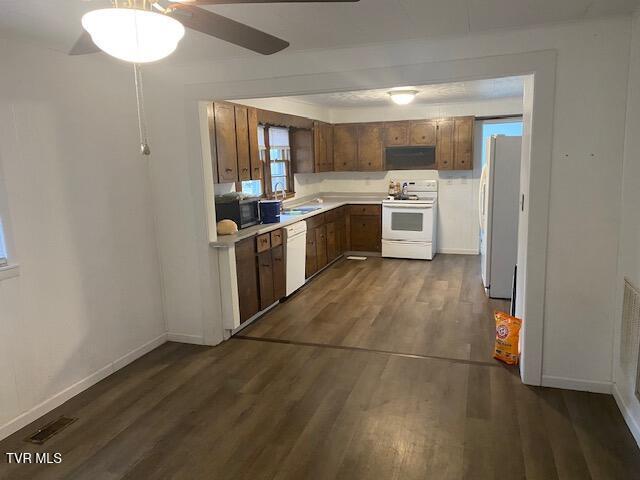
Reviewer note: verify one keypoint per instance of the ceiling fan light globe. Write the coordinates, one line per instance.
(133, 35)
(402, 97)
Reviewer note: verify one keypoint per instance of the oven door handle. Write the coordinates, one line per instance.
(414, 206)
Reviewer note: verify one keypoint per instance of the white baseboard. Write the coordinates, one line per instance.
(458, 251)
(576, 384)
(626, 414)
(184, 338)
(78, 387)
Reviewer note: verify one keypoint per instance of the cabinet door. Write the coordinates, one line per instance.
(366, 233)
(225, 118)
(254, 148)
(242, 142)
(302, 151)
(396, 134)
(463, 144)
(343, 231)
(422, 133)
(345, 147)
(311, 264)
(265, 275)
(321, 246)
(247, 275)
(279, 273)
(370, 147)
(328, 134)
(319, 147)
(444, 145)
(211, 120)
(332, 246)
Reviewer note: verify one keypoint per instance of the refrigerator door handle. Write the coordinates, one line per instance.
(481, 196)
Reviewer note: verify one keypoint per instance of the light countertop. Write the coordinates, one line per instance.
(329, 202)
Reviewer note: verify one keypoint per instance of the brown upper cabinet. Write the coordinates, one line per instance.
(321, 147)
(422, 132)
(396, 134)
(233, 131)
(328, 136)
(226, 149)
(370, 147)
(345, 147)
(454, 143)
(302, 150)
(312, 150)
(242, 142)
(254, 149)
(463, 143)
(444, 144)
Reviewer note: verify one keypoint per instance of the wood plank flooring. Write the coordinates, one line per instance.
(436, 308)
(255, 409)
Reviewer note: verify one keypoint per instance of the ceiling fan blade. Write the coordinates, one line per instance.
(227, 2)
(226, 29)
(84, 45)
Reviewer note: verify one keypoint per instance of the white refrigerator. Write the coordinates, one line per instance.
(499, 205)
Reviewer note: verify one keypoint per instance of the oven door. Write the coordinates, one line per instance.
(407, 221)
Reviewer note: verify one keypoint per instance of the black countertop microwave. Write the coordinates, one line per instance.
(244, 212)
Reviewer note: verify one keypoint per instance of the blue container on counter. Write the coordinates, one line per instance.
(270, 211)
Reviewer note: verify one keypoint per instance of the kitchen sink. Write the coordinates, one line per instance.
(299, 210)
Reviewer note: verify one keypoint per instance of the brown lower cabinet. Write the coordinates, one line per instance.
(365, 228)
(247, 273)
(321, 246)
(279, 273)
(261, 273)
(326, 239)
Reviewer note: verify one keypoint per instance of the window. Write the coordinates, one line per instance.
(3, 246)
(510, 128)
(252, 187)
(275, 155)
(279, 159)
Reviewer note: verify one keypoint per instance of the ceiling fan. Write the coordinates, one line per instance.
(154, 27)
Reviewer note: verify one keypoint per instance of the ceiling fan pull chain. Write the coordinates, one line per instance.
(142, 121)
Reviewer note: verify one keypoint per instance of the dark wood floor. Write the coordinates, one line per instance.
(436, 308)
(255, 409)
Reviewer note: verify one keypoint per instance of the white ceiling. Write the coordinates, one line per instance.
(509, 87)
(56, 23)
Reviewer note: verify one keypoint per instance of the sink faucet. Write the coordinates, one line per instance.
(282, 190)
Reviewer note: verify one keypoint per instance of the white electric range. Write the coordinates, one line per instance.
(409, 222)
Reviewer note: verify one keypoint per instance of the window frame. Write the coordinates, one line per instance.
(266, 167)
(9, 266)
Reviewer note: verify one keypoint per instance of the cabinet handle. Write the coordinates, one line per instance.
(228, 170)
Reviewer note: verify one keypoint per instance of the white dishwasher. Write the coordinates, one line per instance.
(296, 238)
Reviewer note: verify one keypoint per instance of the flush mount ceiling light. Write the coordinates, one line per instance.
(402, 97)
(132, 34)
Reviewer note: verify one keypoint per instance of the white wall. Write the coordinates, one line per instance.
(629, 259)
(389, 113)
(88, 297)
(290, 106)
(591, 79)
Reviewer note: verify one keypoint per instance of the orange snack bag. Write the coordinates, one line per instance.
(507, 338)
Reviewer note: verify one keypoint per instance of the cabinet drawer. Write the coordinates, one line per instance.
(315, 221)
(263, 242)
(276, 238)
(365, 210)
